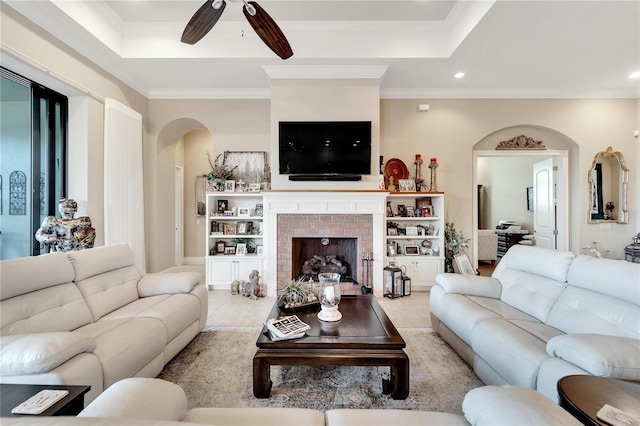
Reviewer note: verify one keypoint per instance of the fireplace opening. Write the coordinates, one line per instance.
(311, 256)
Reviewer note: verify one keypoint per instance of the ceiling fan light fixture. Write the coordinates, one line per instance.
(250, 8)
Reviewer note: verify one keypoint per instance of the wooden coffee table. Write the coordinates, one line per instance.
(365, 336)
(583, 396)
(12, 395)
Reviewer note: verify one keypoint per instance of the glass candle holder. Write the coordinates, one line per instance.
(329, 297)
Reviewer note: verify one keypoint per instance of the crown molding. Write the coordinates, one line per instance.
(427, 93)
(325, 71)
(209, 93)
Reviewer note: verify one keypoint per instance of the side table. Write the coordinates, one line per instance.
(583, 396)
(12, 395)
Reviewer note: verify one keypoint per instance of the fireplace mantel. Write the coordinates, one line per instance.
(322, 202)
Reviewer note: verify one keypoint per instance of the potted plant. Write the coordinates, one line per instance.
(219, 173)
(297, 292)
(455, 242)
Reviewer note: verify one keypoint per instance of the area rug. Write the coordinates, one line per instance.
(215, 370)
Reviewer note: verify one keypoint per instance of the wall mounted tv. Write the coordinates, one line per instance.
(325, 150)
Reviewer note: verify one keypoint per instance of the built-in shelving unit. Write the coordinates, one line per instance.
(415, 235)
(234, 237)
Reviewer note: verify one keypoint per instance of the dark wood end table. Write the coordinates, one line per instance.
(583, 396)
(365, 336)
(12, 395)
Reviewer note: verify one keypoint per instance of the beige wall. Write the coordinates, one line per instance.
(449, 131)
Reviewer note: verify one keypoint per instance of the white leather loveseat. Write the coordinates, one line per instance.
(138, 401)
(541, 316)
(92, 318)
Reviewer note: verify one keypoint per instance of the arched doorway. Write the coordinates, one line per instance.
(512, 170)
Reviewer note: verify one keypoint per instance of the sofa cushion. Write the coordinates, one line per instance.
(140, 398)
(41, 352)
(533, 278)
(168, 283)
(95, 261)
(510, 405)
(125, 346)
(391, 417)
(614, 278)
(176, 311)
(256, 416)
(514, 353)
(56, 308)
(605, 356)
(28, 274)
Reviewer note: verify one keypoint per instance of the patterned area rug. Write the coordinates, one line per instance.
(215, 370)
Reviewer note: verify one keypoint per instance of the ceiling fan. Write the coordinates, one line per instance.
(206, 17)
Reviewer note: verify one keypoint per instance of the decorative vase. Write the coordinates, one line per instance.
(329, 296)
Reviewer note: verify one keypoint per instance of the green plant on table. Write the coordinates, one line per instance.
(296, 292)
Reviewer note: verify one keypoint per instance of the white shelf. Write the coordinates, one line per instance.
(228, 236)
(235, 218)
(413, 237)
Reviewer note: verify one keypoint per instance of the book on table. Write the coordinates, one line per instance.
(290, 327)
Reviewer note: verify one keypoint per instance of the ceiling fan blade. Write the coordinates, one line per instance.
(268, 31)
(202, 21)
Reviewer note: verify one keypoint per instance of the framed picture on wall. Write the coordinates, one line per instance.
(530, 198)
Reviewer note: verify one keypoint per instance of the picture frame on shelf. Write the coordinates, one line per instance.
(411, 250)
(229, 229)
(427, 211)
(241, 249)
(423, 202)
(411, 211)
(463, 264)
(402, 210)
(254, 187)
(243, 212)
(229, 186)
(223, 206)
(242, 228)
(230, 250)
(391, 249)
(220, 246)
(407, 185)
(412, 231)
(392, 231)
(259, 210)
(259, 250)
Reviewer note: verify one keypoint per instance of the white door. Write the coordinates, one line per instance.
(544, 205)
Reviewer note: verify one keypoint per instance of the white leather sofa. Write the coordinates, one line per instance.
(139, 401)
(93, 318)
(541, 316)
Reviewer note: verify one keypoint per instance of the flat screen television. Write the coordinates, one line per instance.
(322, 150)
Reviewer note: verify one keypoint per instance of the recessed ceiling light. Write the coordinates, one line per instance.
(635, 74)
(459, 75)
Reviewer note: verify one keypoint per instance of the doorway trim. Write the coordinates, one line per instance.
(179, 215)
(562, 191)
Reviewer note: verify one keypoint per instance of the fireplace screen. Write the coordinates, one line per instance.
(312, 256)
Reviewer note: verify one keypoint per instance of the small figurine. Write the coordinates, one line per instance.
(252, 290)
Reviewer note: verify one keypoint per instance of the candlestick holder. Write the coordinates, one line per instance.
(418, 179)
(433, 165)
(329, 296)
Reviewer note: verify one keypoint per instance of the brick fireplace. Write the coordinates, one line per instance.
(292, 227)
(316, 214)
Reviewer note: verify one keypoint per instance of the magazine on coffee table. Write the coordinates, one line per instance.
(285, 328)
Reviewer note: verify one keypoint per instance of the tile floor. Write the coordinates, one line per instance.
(237, 312)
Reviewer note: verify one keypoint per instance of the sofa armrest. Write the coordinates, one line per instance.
(38, 353)
(470, 285)
(140, 398)
(513, 405)
(598, 354)
(168, 283)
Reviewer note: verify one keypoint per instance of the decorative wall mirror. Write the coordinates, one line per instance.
(608, 181)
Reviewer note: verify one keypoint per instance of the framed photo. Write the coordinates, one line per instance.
(407, 185)
(411, 250)
(389, 211)
(223, 205)
(391, 249)
(230, 250)
(241, 249)
(230, 185)
(220, 247)
(392, 231)
(259, 250)
(259, 210)
(242, 228)
(254, 187)
(410, 211)
(423, 202)
(427, 211)
(229, 229)
(463, 264)
(412, 230)
(402, 210)
(243, 212)
(530, 198)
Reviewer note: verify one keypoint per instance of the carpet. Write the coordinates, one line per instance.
(215, 370)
